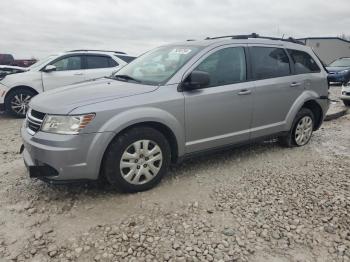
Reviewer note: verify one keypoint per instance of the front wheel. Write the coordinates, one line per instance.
(17, 102)
(346, 102)
(137, 160)
(301, 131)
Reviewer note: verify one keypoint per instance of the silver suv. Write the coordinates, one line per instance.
(171, 103)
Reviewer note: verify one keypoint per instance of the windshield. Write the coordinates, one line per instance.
(159, 65)
(345, 62)
(42, 62)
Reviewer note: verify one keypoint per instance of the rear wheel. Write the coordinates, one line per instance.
(346, 102)
(301, 131)
(137, 160)
(17, 102)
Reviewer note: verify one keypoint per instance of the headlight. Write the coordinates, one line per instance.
(68, 125)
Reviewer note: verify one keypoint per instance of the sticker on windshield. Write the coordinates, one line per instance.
(181, 51)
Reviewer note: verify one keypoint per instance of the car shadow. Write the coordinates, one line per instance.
(203, 162)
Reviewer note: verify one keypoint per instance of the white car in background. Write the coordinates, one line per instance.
(345, 94)
(67, 68)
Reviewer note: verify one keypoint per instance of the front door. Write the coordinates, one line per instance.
(221, 113)
(69, 70)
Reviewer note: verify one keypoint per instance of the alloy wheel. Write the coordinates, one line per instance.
(303, 130)
(19, 103)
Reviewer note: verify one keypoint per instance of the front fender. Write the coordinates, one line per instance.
(140, 115)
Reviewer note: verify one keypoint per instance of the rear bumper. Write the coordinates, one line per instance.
(324, 103)
(335, 78)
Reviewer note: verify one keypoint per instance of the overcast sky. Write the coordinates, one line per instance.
(39, 28)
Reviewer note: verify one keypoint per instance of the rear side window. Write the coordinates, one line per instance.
(226, 66)
(127, 59)
(93, 62)
(269, 62)
(303, 62)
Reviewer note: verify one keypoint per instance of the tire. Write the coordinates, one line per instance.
(16, 103)
(346, 102)
(294, 136)
(132, 170)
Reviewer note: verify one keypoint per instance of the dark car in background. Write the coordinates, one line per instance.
(339, 70)
(6, 59)
(24, 62)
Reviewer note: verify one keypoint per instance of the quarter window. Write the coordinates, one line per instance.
(68, 63)
(303, 62)
(93, 62)
(226, 66)
(269, 62)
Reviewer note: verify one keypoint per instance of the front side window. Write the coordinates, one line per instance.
(303, 62)
(269, 62)
(226, 66)
(68, 63)
(159, 65)
(93, 62)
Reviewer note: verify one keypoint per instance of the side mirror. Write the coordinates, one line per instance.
(196, 80)
(49, 68)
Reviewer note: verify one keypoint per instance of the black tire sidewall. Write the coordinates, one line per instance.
(302, 113)
(346, 102)
(11, 96)
(114, 152)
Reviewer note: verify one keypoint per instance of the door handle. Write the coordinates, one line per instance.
(294, 84)
(244, 92)
(78, 74)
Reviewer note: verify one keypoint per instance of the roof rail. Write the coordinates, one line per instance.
(255, 35)
(95, 50)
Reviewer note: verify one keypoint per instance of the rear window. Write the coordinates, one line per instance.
(303, 62)
(269, 62)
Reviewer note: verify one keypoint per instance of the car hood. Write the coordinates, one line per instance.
(64, 100)
(333, 69)
(13, 67)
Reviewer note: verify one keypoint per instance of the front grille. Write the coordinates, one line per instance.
(37, 114)
(34, 121)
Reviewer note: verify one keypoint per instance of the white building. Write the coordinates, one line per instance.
(328, 48)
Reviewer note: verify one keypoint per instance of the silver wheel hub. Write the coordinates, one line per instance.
(19, 103)
(141, 162)
(303, 130)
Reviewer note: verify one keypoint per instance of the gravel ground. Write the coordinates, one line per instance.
(257, 203)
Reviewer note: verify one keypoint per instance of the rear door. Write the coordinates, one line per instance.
(99, 66)
(68, 71)
(276, 89)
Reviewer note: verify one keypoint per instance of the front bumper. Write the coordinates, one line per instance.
(56, 158)
(3, 91)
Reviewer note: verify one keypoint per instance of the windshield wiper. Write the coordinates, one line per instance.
(127, 78)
